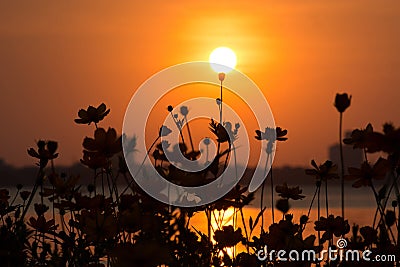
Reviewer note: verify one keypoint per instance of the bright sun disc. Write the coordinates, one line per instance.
(222, 59)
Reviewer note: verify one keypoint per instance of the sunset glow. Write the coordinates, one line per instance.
(223, 59)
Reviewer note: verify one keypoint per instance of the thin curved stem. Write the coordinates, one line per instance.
(382, 212)
(190, 135)
(272, 196)
(39, 177)
(141, 165)
(311, 204)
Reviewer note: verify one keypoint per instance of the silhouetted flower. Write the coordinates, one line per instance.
(206, 141)
(219, 131)
(91, 188)
(282, 205)
(170, 108)
(303, 219)
(40, 224)
(283, 235)
(92, 114)
(129, 143)
(366, 173)
(323, 172)
(390, 218)
(271, 134)
(369, 234)
(332, 226)
(232, 132)
(46, 151)
(24, 195)
(289, 192)
(98, 202)
(221, 76)
(391, 140)
(94, 160)
(228, 237)
(106, 143)
(184, 110)
(158, 153)
(40, 209)
(97, 226)
(61, 188)
(365, 139)
(342, 102)
(164, 131)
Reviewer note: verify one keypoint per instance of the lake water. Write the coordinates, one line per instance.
(360, 207)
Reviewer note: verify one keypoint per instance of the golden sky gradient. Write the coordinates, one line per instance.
(59, 56)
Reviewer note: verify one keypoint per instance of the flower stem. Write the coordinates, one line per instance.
(272, 196)
(190, 135)
(326, 199)
(39, 179)
(141, 165)
(262, 206)
(245, 229)
(341, 161)
(220, 109)
(262, 194)
(312, 201)
(382, 212)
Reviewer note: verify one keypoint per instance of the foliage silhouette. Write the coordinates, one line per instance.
(100, 225)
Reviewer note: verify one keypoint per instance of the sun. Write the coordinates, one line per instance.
(222, 59)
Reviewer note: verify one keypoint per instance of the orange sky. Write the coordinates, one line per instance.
(56, 57)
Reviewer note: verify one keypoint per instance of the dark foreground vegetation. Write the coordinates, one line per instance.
(100, 225)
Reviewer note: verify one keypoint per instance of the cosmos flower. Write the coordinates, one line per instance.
(219, 131)
(332, 226)
(92, 114)
(323, 172)
(228, 237)
(366, 173)
(46, 151)
(270, 134)
(289, 192)
(104, 142)
(42, 225)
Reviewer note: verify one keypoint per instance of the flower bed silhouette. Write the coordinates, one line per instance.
(110, 227)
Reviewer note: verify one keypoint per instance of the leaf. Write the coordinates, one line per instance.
(251, 223)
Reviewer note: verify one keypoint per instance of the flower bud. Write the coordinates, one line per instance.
(342, 102)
